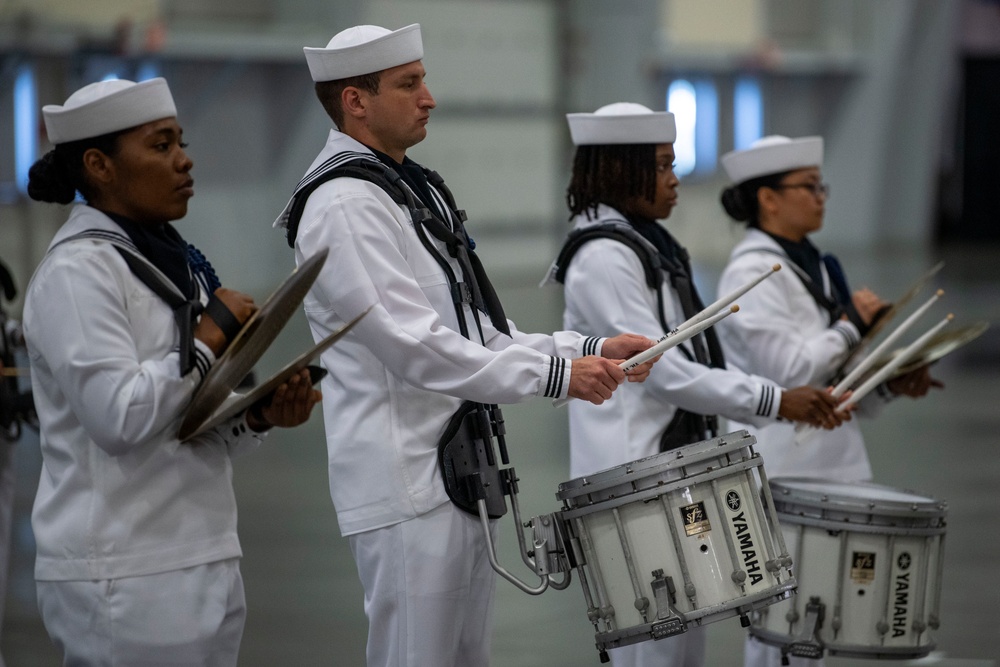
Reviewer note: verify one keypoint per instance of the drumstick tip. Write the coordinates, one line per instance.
(735, 308)
(950, 317)
(939, 293)
(776, 267)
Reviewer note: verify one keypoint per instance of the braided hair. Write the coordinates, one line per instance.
(612, 174)
(740, 200)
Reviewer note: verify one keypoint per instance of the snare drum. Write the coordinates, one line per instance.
(868, 562)
(675, 539)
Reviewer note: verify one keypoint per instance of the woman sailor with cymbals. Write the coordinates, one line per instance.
(138, 555)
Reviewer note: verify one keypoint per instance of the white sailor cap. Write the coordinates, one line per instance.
(622, 123)
(108, 106)
(773, 155)
(364, 49)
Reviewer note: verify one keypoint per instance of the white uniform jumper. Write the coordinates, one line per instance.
(119, 496)
(783, 334)
(395, 380)
(607, 294)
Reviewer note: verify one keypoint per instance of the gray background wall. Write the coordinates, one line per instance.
(879, 79)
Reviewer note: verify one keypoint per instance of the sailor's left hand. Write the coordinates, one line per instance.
(625, 346)
(914, 384)
(291, 404)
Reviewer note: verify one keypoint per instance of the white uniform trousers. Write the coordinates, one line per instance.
(429, 590)
(683, 650)
(759, 654)
(191, 617)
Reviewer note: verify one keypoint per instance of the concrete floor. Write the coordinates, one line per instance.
(305, 603)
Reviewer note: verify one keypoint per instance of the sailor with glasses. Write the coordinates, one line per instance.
(798, 326)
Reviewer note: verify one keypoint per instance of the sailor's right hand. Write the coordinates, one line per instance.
(813, 406)
(594, 378)
(207, 331)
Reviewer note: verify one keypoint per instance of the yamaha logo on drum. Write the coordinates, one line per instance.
(733, 501)
(901, 594)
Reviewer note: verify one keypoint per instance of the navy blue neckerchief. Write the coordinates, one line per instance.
(164, 248)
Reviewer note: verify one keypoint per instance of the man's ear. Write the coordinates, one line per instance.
(98, 167)
(354, 102)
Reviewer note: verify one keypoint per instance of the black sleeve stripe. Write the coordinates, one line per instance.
(201, 362)
(766, 401)
(846, 331)
(590, 345)
(559, 378)
(557, 368)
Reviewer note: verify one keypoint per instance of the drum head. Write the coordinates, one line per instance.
(865, 492)
(852, 502)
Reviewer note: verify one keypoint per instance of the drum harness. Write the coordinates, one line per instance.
(186, 311)
(685, 427)
(473, 479)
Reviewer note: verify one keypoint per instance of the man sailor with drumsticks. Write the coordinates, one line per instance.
(436, 336)
(799, 326)
(622, 270)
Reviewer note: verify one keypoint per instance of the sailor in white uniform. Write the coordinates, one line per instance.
(622, 270)
(436, 336)
(798, 326)
(138, 555)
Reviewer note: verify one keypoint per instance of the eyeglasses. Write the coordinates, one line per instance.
(818, 189)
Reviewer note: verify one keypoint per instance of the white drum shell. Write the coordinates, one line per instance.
(716, 539)
(873, 563)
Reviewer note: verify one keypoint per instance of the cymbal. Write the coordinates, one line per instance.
(236, 406)
(887, 316)
(936, 348)
(249, 345)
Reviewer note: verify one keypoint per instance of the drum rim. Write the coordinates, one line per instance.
(786, 497)
(703, 615)
(779, 640)
(581, 509)
(641, 468)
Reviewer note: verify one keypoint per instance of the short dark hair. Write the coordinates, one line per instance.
(611, 174)
(329, 93)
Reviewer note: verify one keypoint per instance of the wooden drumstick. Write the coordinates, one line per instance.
(721, 303)
(900, 359)
(877, 353)
(672, 339)
(803, 435)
